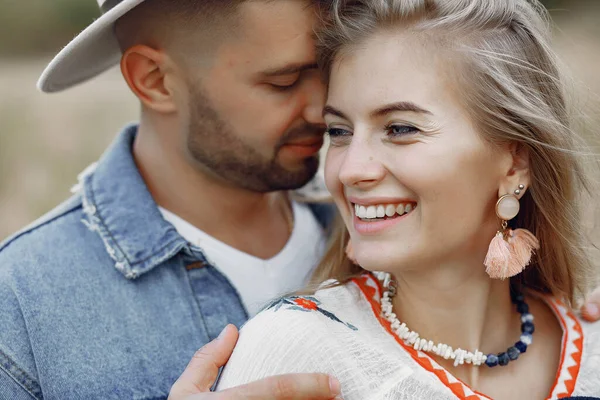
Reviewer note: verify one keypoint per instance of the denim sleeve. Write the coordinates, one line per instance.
(11, 389)
(17, 364)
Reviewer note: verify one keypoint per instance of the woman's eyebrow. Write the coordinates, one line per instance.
(406, 106)
(333, 111)
(399, 106)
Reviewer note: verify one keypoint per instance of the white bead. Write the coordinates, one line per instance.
(429, 346)
(526, 318)
(448, 353)
(469, 357)
(402, 330)
(459, 357)
(476, 359)
(412, 337)
(442, 349)
(526, 339)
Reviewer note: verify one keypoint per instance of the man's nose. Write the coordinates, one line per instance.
(315, 101)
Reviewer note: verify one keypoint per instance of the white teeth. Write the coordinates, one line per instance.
(390, 210)
(382, 210)
(371, 212)
(400, 209)
(362, 212)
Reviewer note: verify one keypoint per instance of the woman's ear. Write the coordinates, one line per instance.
(518, 173)
(144, 70)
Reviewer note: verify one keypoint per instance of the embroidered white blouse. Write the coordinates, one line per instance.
(339, 331)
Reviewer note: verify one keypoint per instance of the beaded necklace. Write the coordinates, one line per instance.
(459, 356)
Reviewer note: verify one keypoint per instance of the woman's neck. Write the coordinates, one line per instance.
(459, 305)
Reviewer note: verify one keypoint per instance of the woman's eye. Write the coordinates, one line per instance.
(401, 130)
(339, 137)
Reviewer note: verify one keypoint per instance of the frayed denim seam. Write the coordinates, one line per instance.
(96, 224)
(20, 376)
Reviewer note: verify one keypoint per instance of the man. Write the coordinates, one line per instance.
(185, 224)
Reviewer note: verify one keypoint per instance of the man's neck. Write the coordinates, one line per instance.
(255, 223)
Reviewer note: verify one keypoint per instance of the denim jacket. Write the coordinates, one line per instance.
(102, 298)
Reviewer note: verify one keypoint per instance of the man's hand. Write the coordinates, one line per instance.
(200, 374)
(591, 308)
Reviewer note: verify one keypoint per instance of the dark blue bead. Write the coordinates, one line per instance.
(522, 307)
(503, 359)
(491, 360)
(513, 353)
(521, 346)
(518, 298)
(527, 327)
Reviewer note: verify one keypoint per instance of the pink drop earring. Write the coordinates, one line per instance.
(510, 250)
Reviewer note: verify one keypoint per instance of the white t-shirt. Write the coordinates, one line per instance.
(258, 281)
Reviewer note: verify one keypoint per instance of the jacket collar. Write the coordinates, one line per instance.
(120, 209)
(118, 206)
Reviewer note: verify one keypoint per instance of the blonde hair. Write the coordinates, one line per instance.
(513, 91)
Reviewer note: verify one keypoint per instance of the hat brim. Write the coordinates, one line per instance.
(92, 52)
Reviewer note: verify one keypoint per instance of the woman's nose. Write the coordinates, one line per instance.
(361, 168)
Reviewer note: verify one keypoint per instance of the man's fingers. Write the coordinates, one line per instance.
(591, 308)
(203, 369)
(288, 387)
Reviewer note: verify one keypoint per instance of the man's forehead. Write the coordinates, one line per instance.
(273, 36)
(277, 23)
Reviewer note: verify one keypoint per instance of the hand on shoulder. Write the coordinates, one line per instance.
(202, 371)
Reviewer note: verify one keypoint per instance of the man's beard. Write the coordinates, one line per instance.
(219, 151)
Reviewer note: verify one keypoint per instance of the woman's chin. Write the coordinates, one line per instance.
(379, 261)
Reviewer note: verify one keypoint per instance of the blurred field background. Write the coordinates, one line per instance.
(46, 140)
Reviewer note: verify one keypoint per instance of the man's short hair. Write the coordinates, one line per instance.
(164, 23)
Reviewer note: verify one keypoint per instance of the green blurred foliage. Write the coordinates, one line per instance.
(42, 26)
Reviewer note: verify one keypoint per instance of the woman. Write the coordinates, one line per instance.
(452, 164)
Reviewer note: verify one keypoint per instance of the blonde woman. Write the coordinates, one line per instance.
(453, 164)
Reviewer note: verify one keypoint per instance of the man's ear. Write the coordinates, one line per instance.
(144, 70)
(518, 173)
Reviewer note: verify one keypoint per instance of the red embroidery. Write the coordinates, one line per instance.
(305, 303)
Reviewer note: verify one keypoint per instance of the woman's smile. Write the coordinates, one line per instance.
(371, 216)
